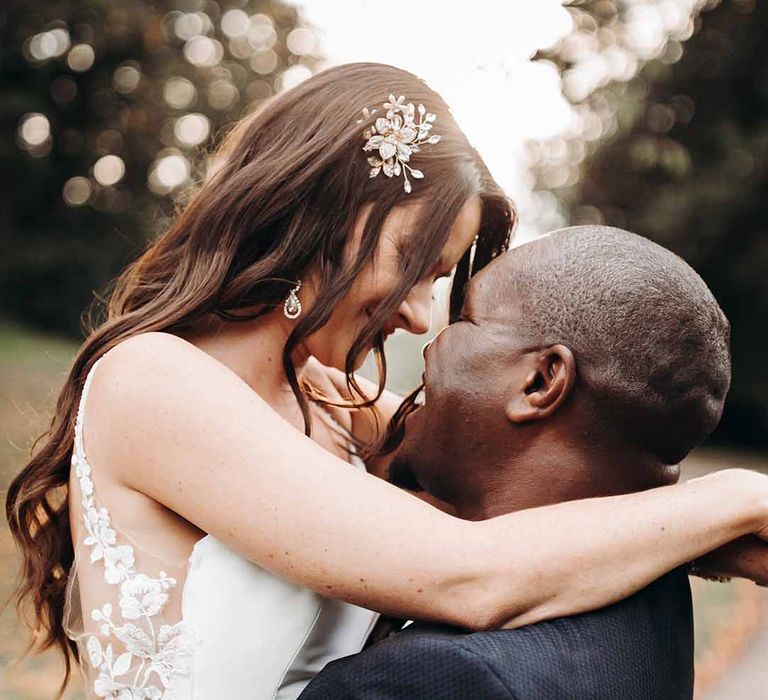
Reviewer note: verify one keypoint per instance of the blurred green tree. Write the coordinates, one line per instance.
(105, 108)
(683, 160)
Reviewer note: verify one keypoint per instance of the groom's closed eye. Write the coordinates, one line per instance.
(464, 317)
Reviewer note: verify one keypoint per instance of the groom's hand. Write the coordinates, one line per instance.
(746, 557)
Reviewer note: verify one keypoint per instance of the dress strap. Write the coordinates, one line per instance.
(79, 445)
(137, 650)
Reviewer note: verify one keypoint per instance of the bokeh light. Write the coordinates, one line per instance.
(76, 191)
(294, 75)
(179, 92)
(235, 23)
(192, 24)
(126, 78)
(109, 170)
(261, 34)
(169, 172)
(48, 44)
(34, 129)
(301, 41)
(600, 62)
(161, 88)
(80, 57)
(112, 108)
(222, 94)
(192, 129)
(203, 51)
(264, 62)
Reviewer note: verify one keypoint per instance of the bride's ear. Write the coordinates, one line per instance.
(545, 379)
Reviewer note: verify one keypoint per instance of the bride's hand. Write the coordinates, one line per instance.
(746, 557)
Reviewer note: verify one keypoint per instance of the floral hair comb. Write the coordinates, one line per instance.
(397, 137)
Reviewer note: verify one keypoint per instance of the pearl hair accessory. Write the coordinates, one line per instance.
(397, 137)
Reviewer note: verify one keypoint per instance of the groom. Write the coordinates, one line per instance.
(585, 363)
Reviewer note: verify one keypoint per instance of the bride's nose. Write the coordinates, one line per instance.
(416, 311)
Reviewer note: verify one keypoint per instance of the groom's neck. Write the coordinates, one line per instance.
(557, 473)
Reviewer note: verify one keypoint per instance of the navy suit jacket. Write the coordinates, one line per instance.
(638, 649)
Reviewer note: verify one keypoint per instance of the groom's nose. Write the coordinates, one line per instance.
(426, 345)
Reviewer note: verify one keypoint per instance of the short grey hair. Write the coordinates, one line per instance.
(650, 340)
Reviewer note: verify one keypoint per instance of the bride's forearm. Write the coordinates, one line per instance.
(581, 555)
(226, 462)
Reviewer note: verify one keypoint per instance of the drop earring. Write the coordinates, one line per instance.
(292, 305)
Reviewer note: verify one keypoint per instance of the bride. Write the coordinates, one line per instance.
(224, 532)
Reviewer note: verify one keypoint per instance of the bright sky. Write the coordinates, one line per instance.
(475, 55)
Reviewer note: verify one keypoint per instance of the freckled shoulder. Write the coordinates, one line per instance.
(139, 383)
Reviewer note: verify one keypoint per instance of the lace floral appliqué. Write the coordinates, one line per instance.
(148, 658)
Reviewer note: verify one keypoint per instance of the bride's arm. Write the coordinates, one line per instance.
(169, 421)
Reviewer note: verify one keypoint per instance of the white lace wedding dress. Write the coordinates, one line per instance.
(210, 626)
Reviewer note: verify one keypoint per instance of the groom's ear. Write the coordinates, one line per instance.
(544, 380)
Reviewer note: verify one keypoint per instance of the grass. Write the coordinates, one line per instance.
(32, 368)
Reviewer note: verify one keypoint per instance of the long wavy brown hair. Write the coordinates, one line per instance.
(291, 180)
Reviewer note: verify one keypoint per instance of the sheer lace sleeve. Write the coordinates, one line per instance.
(124, 602)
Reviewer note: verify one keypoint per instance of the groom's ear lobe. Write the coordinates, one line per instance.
(544, 380)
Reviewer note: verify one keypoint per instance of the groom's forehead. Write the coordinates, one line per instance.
(488, 291)
(492, 290)
(483, 301)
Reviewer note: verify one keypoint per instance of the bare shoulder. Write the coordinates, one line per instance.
(145, 372)
(146, 350)
(149, 364)
(153, 391)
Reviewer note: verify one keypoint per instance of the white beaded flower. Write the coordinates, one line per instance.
(397, 137)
